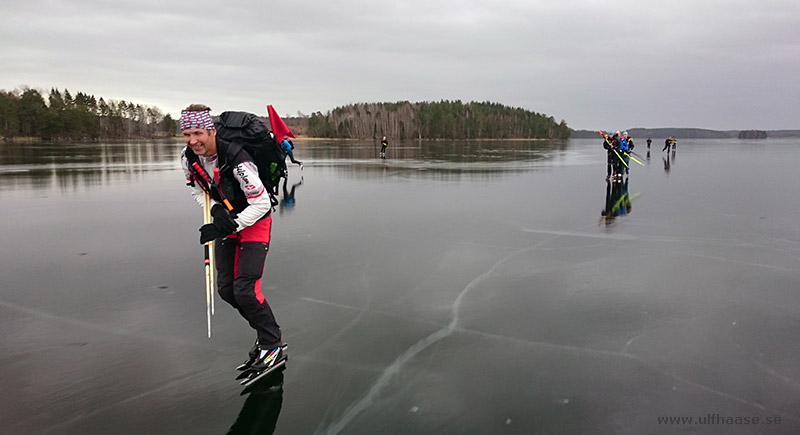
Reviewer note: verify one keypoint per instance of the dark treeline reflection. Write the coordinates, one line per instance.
(70, 166)
(441, 160)
(47, 165)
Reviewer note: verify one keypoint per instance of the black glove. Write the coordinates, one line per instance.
(223, 220)
(209, 232)
(222, 226)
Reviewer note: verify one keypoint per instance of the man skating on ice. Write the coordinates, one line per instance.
(241, 237)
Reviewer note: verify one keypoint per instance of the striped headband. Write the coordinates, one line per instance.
(196, 120)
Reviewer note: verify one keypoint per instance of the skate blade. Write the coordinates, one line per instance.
(256, 376)
(245, 369)
(244, 374)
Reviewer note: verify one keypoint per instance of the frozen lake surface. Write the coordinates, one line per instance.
(451, 288)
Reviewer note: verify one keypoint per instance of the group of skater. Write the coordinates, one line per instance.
(618, 146)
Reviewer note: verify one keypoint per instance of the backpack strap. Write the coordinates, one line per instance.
(209, 184)
(195, 177)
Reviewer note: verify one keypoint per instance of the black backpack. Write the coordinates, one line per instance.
(247, 130)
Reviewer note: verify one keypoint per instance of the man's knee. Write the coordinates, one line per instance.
(226, 293)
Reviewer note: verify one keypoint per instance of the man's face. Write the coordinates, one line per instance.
(201, 141)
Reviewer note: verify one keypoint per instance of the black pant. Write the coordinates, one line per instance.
(240, 265)
(291, 157)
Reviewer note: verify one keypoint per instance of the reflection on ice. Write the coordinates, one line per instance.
(447, 288)
(78, 166)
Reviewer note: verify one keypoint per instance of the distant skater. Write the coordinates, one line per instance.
(287, 146)
(611, 158)
(631, 146)
(649, 141)
(667, 144)
(625, 147)
(384, 144)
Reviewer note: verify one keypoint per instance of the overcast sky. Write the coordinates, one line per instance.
(718, 64)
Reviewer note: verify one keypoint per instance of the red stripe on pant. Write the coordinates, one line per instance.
(258, 232)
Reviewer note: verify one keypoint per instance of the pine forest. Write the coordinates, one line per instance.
(80, 117)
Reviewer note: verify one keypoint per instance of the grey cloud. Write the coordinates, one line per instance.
(594, 64)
